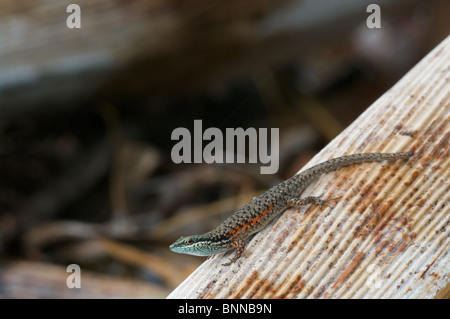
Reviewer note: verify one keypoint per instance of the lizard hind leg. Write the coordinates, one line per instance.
(317, 200)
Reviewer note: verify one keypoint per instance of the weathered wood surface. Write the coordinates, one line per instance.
(389, 234)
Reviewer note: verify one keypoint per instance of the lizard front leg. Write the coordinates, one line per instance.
(240, 246)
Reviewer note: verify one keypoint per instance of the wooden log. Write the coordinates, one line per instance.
(388, 236)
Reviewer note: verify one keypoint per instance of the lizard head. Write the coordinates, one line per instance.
(198, 245)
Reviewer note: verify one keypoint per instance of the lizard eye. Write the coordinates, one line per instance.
(189, 241)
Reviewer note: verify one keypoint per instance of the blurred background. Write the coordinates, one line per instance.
(86, 117)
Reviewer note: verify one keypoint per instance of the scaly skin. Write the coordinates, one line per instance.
(255, 215)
